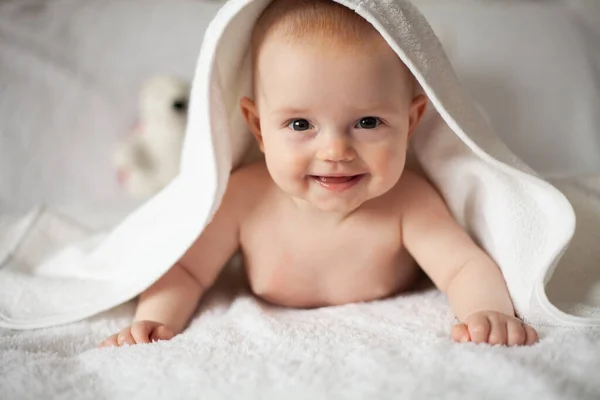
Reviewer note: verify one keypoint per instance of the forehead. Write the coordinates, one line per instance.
(290, 67)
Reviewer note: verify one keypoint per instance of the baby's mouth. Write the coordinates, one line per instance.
(337, 183)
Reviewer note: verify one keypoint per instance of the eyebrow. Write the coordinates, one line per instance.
(385, 107)
(289, 110)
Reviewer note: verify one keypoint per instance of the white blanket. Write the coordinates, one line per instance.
(240, 349)
(524, 223)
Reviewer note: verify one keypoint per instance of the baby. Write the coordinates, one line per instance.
(331, 216)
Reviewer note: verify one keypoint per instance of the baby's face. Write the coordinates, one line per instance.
(334, 123)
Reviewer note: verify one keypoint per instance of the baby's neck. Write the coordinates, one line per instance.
(312, 212)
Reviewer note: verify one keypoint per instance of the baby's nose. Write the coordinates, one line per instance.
(336, 148)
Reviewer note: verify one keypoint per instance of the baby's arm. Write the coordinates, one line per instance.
(473, 282)
(166, 307)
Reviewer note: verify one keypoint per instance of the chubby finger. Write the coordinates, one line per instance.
(124, 337)
(110, 342)
(498, 331)
(161, 333)
(532, 335)
(460, 333)
(517, 335)
(140, 331)
(479, 329)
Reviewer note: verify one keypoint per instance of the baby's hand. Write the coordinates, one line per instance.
(139, 332)
(494, 328)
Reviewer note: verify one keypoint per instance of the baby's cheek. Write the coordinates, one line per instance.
(287, 157)
(297, 164)
(286, 168)
(388, 161)
(387, 167)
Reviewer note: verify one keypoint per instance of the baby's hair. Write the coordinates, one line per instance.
(324, 20)
(321, 19)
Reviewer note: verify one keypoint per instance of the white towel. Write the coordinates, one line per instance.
(524, 223)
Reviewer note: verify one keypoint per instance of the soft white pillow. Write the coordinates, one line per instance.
(534, 67)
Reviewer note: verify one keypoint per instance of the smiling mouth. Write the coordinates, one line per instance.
(337, 183)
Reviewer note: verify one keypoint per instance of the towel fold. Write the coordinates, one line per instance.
(523, 222)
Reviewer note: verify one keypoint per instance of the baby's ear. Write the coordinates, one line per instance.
(250, 113)
(417, 109)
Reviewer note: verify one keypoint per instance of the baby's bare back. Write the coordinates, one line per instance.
(297, 258)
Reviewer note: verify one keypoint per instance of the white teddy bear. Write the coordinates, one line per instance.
(149, 158)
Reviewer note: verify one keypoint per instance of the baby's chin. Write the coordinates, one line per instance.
(338, 205)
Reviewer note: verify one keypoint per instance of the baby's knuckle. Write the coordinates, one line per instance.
(141, 325)
(477, 327)
(495, 338)
(519, 335)
(496, 316)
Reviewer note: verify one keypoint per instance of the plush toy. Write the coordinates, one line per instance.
(148, 159)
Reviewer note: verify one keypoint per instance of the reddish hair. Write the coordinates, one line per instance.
(324, 20)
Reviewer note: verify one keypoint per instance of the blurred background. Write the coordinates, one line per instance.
(71, 72)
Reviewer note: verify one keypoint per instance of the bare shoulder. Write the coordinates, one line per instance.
(247, 185)
(250, 177)
(415, 192)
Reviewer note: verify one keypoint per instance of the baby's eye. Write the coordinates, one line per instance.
(299, 125)
(368, 123)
